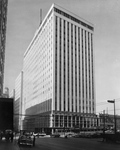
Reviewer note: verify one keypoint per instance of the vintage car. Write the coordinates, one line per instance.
(26, 138)
(55, 135)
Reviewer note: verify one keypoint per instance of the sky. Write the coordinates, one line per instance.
(23, 20)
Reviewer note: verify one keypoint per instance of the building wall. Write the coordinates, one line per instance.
(107, 121)
(12, 94)
(6, 114)
(38, 66)
(3, 20)
(18, 110)
(16, 114)
(74, 64)
(59, 66)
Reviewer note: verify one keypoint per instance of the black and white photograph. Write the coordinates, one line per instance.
(60, 74)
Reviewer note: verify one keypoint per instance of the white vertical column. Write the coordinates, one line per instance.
(80, 86)
(62, 68)
(58, 64)
(87, 98)
(92, 72)
(78, 96)
(66, 67)
(53, 65)
(91, 77)
(70, 70)
(89, 73)
(84, 71)
(74, 96)
(94, 99)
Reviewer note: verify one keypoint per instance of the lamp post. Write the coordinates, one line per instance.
(113, 101)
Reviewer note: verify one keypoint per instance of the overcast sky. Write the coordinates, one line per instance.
(23, 20)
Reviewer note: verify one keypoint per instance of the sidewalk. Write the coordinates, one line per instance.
(15, 144)
(8, 145)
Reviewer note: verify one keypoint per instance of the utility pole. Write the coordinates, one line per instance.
(104, 122)
(114, 117)
(103, 125)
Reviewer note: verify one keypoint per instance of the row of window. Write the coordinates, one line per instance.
(69, 121)
(38, 67)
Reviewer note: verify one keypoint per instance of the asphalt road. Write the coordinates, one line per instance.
(8, 145)
(72, 144)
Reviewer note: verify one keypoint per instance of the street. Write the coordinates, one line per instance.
(8, 145)
(72, 144)
(63, 144)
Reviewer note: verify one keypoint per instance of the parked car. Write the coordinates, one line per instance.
(55, 135)
(26, 138)
(109, 132)
(39, 134)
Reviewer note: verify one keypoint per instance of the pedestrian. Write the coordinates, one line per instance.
(11, 136)
(6, 136)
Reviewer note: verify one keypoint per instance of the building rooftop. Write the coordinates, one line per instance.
(65, 13)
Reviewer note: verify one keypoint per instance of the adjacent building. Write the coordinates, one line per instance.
(58, 83)
(107, 121)
(12, 94)
(3, 21)
(18, 102)
(6, 114)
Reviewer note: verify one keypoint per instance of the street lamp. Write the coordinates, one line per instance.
(113, 101)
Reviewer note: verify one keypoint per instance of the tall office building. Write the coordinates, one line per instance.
(59, 73)
(18, 102)
(3, 20)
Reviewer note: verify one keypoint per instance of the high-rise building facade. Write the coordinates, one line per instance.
(3, 20)
(18, 102)
(59, 73)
